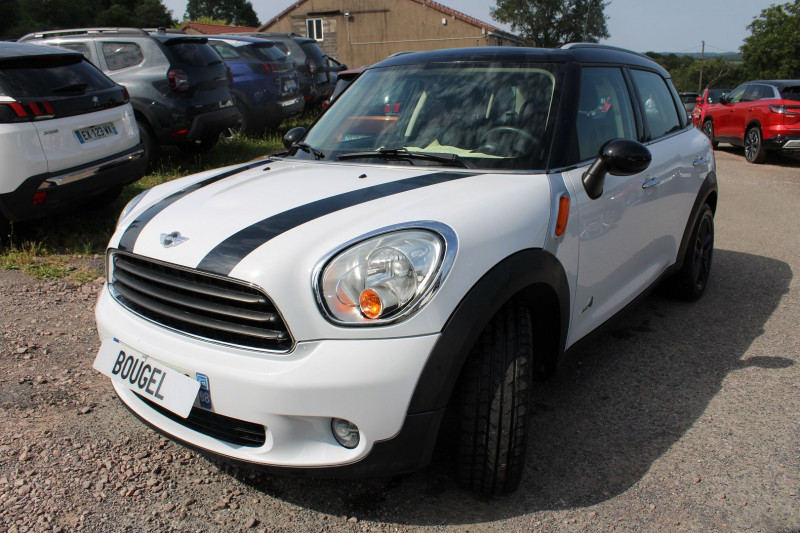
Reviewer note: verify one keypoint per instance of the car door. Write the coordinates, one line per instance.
(725, 120)
(610, 242)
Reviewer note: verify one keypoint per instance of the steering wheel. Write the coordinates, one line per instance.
(502, 139)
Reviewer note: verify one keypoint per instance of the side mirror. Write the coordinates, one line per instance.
(292, 136)
(698, 99)
(620, 157)
(723, 99)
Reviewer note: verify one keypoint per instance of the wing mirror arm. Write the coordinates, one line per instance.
(620, 157)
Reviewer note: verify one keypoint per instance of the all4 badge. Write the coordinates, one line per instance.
(204, 394)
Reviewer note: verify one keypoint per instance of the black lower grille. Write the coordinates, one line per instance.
(217, 426)
(211, 307)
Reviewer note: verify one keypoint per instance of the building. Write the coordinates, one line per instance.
(362, 32)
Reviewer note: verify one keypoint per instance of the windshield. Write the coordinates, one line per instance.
(487, 115)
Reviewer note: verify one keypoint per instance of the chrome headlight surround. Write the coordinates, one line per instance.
(402, 265)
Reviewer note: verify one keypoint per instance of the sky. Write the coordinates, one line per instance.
(639, 25)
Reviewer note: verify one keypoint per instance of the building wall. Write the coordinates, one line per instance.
(376, 29)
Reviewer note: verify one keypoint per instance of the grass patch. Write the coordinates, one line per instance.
(50, 247)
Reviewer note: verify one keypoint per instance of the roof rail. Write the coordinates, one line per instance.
(572, 46)
(81, 31)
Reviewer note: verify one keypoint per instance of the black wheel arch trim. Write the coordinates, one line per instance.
(531, 274)
(707, 195)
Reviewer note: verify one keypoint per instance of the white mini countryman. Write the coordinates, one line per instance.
(435, 242)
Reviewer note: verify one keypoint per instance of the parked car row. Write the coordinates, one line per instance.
(92, 110)
(760, 116)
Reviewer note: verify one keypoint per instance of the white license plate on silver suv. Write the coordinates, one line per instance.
(92, 133)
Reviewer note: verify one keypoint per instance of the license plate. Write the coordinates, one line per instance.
(293, 101)
(92, 133)
(290, 85)
(146, 376)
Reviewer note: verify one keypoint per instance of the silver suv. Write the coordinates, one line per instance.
(179, 86)
(67, 133)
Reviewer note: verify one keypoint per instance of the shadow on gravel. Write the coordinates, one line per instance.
(604, 419)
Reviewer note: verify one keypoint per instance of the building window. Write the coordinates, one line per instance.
(314, 29)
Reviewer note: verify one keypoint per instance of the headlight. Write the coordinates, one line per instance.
(386, 277)
(130, 205)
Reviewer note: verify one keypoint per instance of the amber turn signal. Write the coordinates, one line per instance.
(563, 216)
(370, 304)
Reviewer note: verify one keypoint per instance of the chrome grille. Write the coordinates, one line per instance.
(192, 302)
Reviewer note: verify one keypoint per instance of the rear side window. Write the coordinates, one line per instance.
(193, 54)
(122, 55)
(605, 111)
(269, 52)
(656, 100)
(314, 52)
(78, 47)
(791, 93)
(52, 76)
(225, 50)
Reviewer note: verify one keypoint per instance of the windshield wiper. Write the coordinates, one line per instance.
(400, 154)
(310, 150)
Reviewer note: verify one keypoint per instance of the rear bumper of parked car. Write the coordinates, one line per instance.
(49, 193)
(210, 124)
(283, 108)
(289, 399)
(783, 142)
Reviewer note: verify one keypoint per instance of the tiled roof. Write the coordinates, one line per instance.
(213, 29)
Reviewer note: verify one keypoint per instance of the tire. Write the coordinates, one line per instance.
(152, 150)
(245, 124)
(708, 129)
(200, 146)
(754, 150)
(493, 404)
(693, 277)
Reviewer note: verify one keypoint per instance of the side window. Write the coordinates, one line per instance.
(660, 112)
(314, 29)
(751, 93)
(78, 47)
(765, 91)
(225, 50)
(736, 95)
(122, 55)
(604, 111)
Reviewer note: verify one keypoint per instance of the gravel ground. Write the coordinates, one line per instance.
(683, 418)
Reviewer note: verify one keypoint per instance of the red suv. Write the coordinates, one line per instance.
(707, 98)
(761, 116)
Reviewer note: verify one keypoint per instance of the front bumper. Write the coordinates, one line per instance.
(293, 396)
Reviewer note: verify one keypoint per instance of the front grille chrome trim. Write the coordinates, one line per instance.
(197, 304)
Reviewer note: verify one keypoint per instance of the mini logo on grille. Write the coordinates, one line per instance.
(168, 240)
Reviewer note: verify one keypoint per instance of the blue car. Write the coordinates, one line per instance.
(264, 81)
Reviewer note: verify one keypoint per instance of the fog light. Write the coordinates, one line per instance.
(346, 433)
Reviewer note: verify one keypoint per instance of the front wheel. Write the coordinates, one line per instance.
(493, 398)
(754, 150)
(708, 129)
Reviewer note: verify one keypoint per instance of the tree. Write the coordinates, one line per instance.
(552, 23)
(237, 12)
(773, 48)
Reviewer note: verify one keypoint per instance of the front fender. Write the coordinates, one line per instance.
(535, 275)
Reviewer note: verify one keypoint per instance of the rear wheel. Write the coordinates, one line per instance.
(754, 150)
(493, 398)
(708, 129)
(152, 150)
(693, 277)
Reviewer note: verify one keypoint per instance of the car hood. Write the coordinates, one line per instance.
(214, 221)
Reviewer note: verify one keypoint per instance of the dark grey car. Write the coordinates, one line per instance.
(179, 86)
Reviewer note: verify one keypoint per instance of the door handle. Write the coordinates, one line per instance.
(650, 183)
(701, 161)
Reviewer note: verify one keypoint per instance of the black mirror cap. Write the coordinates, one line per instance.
(292, 136)
(620, 157)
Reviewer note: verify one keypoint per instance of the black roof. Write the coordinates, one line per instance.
(580, 53)
(11, 50)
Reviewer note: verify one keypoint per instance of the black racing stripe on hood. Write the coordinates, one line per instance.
(128, 239)
(226, 255)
